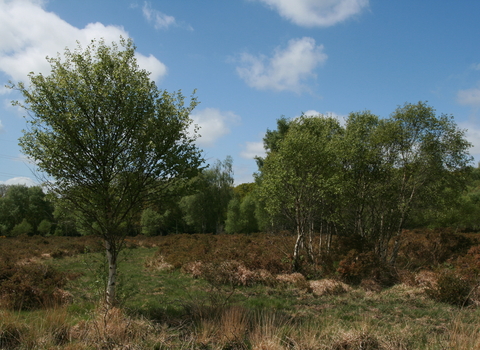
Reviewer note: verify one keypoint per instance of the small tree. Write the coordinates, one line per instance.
(109, 139)
(151, 222)
(23, 228)
(206, 210)
(44, 227)
(300, 176)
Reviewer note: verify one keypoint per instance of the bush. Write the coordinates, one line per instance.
(31, 286)
(450, 289)
(357, 266)
(469, 264)
(431, 248)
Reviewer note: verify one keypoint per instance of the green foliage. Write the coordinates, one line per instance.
(244, 189)
(44, 228)
(23, 228)
(66, 218)
(241, 215)
(300, 176)
(363, 178)
(110, 139)
(233, 222)
(151, 222)
(19, 203)
(206, 210)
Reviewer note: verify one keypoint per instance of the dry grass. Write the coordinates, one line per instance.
(158, 263)
(329, 287)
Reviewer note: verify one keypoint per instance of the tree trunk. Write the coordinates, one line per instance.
(296, 252)
(112, 273)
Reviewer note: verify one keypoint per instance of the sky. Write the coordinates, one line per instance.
(254, 61)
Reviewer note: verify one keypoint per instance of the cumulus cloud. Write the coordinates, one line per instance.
(213, 124)
(20, 181)
(469, 97)
(152, 64)
(317, 13)
(30, 33)
(287, 69)
(252, 150)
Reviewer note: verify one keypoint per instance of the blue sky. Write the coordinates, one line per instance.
(253, 61)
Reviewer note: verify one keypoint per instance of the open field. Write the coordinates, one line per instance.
(235, 292)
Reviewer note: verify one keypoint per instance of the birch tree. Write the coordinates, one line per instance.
(107, 139)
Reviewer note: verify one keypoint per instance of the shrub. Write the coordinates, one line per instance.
(431, 248)
(231, 273)
(358, 266)
(469, 264)
(450, 289)
(31, 286)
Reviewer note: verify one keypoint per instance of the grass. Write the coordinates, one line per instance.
(169, 309)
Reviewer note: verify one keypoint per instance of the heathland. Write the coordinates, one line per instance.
(203, 291)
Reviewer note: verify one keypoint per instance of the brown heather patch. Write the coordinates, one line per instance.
(426, 279)
(260, 251)
(228, 272)
(329, 287)
(291, 278)
(193, 268)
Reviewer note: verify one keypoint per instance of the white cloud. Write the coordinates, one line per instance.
(29, 34)
(286, 70)
(469, 97)
(317, 13)
(213, 124)
(472, 135)
(159, 19)
(153, 65)
(20, 181)
(252, 150)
